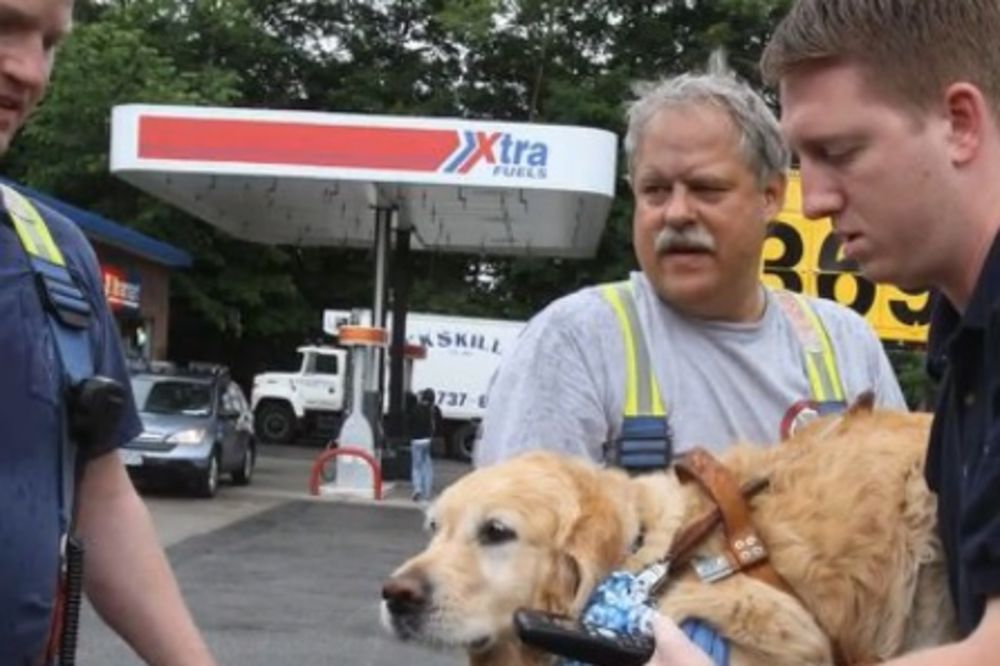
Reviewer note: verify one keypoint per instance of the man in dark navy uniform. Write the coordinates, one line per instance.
(126, 577)
(894, 111)
(899, 142)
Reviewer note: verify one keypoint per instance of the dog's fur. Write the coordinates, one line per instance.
(848, 520)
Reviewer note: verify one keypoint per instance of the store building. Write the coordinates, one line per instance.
(136, 270)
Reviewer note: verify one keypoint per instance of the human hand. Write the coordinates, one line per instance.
(673, 648)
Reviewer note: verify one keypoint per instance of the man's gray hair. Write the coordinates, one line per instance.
(766, 152)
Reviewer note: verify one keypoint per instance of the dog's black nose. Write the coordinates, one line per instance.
(406, 595)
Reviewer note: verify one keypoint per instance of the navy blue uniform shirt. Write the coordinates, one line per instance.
(30, 427)
(963, 461)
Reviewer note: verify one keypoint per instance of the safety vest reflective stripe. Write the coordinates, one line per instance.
(30, 227)
(60, 292)
(642, 392)
(820, 362)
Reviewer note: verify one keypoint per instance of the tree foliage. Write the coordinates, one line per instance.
(909, 366)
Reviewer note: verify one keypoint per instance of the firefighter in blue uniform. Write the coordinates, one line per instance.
(65, 409)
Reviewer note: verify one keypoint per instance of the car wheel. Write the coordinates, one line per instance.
(274, 423)
(463, 442)
(207, 482)
(243, 475)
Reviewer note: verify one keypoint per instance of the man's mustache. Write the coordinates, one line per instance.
(686, 239)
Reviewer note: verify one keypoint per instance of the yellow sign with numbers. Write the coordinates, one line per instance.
(804, 256)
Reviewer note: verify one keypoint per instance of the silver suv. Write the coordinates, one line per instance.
(197, 426)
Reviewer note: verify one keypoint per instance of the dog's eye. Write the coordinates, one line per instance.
(494, 532)
(431, 526)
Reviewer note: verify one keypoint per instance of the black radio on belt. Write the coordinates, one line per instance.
(95, 407)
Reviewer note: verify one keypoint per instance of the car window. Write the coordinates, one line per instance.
(325, 365)
(225, 400)
(237, 396)
(172, 396)
(140, 389)
(231, 399)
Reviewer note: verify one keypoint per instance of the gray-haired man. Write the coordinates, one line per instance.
(693, 349)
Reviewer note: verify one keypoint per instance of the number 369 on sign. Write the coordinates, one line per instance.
(804, 256)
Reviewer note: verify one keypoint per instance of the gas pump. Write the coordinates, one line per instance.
(361, 428)
(358, 429)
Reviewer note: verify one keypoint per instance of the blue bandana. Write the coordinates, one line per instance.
(621, 603)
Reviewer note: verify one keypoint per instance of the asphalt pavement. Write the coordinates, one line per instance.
(298, 584)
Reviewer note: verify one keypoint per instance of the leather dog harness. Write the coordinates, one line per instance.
(745, 550)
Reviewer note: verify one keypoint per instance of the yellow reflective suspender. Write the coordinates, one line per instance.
(30, 227)
(644, 407)
(645, 442)
(642, 392)
(818, 356)
(62, 298)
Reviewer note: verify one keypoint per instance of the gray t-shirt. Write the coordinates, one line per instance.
(562, 386)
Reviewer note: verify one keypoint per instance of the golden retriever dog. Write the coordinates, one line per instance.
(847, 518)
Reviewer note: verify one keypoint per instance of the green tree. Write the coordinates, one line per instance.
(909, 366)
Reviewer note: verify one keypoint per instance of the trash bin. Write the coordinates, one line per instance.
(396, 459)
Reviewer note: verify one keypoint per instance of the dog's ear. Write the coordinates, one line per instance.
(593, 528)
(562, 586)
(863, 404)
(595, 545)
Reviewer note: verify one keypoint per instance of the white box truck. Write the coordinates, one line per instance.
(463, 353)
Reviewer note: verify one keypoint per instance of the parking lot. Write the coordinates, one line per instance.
(275, 577)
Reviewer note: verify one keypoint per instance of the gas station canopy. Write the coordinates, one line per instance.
(314, 179)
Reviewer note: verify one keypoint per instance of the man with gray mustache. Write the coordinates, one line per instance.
(693, 349)
(685, 239)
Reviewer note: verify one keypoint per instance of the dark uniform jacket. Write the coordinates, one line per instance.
(31, 431)
(963, 461)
